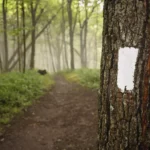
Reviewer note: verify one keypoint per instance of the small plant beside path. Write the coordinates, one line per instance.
(18, 90)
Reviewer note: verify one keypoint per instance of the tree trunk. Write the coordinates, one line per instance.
(30, 44)
(4, 8)
(50, 51)
(95, 51)
(33, 14)
(1, 65)
(71, 34)
(81, 42)
(24, 34)
(81, 47)
(27, 35)
(96, 42)
(85, 35)
(85, 45)
(58, 50)
(64, 36)
(18, 35)
(123, 116)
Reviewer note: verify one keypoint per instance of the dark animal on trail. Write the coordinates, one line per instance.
(42, 72)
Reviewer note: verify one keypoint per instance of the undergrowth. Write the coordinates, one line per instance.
(18, 90)
(86, 77)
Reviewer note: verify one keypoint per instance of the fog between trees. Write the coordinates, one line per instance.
(52, 35)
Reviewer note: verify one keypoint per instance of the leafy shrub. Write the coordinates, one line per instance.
(18, 90)
(86, 77)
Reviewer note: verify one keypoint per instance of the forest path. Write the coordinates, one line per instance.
(64, 119)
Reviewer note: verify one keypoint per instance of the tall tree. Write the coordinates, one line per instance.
(18, 34)
(24, 35)
(71, 33)
(1, 65)
(4, 8)
(83, 31)
(50, 50)
(124, 120)
(33, 8)
(63, 34)
(96, 39)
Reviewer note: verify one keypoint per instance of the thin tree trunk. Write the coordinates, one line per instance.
(4, 8)
(64, 36)
(81, 47)
(30, 44)
(58, 51)
(46, 52)
(1, 65)
(95, 53)
(18, 35)
(24, 34)
(85, 36)
(50, 50)
(85, 44)
(33, 14)
(21, 42)
(71, 34)
(96, 44)
(81, 42)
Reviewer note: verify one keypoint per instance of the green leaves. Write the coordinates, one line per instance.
(18, 90)
(86, 77)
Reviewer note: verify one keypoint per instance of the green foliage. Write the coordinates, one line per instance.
(86, 77)
(18, 90)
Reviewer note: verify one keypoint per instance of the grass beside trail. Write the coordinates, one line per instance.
(86, 77)
(18, 90)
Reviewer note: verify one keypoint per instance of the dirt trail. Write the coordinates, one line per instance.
(64, 119)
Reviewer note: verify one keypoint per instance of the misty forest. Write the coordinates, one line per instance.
(74, 75)
(51, 35)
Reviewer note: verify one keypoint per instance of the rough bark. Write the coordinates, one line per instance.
(125, 25)
(142, 82)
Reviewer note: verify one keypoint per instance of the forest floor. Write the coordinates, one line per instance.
(63, 119)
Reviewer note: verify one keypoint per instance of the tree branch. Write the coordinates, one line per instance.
(29, 45)
(27, 35)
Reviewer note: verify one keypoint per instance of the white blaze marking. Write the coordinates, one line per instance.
(126, 67)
